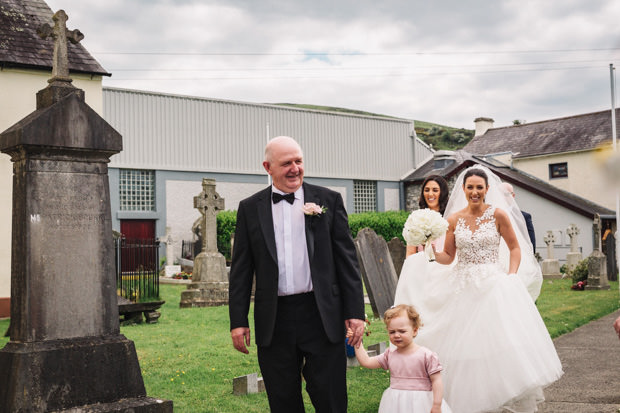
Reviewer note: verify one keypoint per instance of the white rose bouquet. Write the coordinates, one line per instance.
(423, 226)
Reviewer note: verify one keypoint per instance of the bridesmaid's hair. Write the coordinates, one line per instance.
(444, 192)
(398, 310)
(476, 172)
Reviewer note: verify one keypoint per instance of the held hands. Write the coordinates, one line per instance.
(241, 338)
(357, 330)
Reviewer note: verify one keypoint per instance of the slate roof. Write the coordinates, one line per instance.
(21, 46)
(463, 160)
(569, 134)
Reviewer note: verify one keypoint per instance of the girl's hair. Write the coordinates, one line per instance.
(444, 192)
(398, 310)
(476, 172)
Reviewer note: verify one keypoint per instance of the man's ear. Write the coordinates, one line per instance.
(266, 166)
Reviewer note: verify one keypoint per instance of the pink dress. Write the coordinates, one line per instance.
(410, 388)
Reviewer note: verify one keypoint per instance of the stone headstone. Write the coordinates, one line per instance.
(168, 240)
(209, 286)
(612, 261)
(550, 265)
(65, 350)
(377, 270)
(248, 384)
(597, 264)
(398, 251)
(378, 348)
(573, 257)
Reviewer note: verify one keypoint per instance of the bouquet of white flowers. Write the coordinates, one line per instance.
(424, 226)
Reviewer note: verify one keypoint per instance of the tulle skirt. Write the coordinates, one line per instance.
(409, 401)
(486, 330)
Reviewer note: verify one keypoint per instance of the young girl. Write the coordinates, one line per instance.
(415, 378)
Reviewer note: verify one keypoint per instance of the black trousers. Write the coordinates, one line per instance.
(300, 345)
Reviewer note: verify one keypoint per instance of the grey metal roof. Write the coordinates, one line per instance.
(185, 133)
(516, 177)
(568, 134)
(21, 47)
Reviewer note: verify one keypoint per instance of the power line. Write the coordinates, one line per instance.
(357, 53)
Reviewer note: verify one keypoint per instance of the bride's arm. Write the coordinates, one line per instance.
(504, 227)
(449, 247)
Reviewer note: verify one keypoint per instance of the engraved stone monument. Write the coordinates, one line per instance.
(550, 265)
(65, 351)
(377, 270)
(169, 241)
(398, 251)
(574, 255)
(209, 286)
(597, 264)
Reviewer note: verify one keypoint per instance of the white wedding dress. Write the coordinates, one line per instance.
(482, 323)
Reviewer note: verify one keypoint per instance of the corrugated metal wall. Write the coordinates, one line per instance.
(196, 134)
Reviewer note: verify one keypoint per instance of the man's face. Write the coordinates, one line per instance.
(286, 166)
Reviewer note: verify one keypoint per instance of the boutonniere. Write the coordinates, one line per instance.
(312, 209)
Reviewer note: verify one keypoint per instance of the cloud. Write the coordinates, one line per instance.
(443, 61)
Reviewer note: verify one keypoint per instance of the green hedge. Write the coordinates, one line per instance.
(386, 224)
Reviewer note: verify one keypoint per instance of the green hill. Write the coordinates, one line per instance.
(439, 136)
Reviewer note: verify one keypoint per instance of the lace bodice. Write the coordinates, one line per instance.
(480, 246)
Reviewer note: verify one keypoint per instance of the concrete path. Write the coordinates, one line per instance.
(590, 358)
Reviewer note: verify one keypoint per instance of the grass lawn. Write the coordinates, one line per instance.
(188, 356)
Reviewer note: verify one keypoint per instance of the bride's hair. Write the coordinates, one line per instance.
(398, 310)
(476, 172)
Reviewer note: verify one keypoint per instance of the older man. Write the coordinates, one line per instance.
(294, 238)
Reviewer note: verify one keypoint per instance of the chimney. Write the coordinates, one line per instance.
(483, 125)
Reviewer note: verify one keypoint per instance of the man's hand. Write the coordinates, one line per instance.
(241, 338)
(617, 326)
(357, 326)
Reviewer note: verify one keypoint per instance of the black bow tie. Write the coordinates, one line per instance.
(276, 197)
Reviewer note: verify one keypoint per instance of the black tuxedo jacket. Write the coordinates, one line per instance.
(333, 264)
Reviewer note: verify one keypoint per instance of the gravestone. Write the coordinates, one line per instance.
(597, 264)
(612, 262)
(65, 351)
(398, 252)
(209, 286)
(377, 270)
(169, 241)
(248, 384)
(573, 257)
(550, 265)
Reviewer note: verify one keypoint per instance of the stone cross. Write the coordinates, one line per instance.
(168, 240)
(549, 240)
(596, 227)
(209, 202)
(572, 231)
(60, 34)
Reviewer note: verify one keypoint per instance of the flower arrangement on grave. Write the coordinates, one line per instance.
(182, 275)
(424, 226)
(579, 285)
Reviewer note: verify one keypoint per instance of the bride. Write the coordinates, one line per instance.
(477, 302)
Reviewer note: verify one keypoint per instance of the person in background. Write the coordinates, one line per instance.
(526, 215)
(434, 195)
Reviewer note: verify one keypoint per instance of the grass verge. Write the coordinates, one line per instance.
(188, 357)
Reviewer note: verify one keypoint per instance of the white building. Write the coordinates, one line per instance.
(171, 142)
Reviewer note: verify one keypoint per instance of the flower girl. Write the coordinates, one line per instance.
(415, 372)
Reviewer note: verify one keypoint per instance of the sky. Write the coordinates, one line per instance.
(440, 61)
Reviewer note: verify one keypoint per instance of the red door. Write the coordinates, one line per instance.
(138, 228)
(138, 247)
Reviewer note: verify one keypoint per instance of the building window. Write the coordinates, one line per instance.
(364, 196)
(558, 170)
(137, 190)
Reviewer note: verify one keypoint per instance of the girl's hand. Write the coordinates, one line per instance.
(349, 333)
(436, 408)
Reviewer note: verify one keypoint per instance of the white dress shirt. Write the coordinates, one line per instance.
(289, 226)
